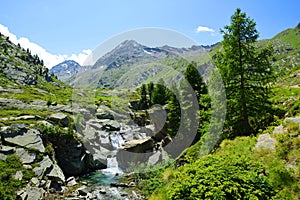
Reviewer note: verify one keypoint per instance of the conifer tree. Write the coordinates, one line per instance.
(246, 72)
(143, 94)
(174, 114)
(195, 79)
(159, 95)
(150, 88)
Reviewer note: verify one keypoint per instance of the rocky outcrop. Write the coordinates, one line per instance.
(71, 155)
(60, 118)
(19, 135)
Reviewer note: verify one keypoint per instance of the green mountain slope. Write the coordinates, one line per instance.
(23, 76)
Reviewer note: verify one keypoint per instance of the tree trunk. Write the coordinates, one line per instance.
(244, 123)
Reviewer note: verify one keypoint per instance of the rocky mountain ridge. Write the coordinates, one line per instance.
(131, 60)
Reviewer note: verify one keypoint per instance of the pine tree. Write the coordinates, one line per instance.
(150, 88)
(143, 94)
(246, 72)
(174, 112)
(195, 79)
(159, 95)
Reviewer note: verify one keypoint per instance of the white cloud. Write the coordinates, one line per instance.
(204, 29)
(49, 59)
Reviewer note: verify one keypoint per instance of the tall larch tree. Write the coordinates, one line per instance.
(246, 72)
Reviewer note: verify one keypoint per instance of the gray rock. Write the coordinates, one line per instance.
(265, 141)
(72, 156)
(111, 125)
(44, 165)
(56, 174)
(292, 119)
(14, 129)
(29, 139)
(139, 146)
(34, 193)
(19, 175)
(83, 190)
(22, 195)
(3, 156)
(35, 181)
(71, 181)
(60, 118)
(28, 167)
(25, 156)
(103, 112)
(103, 115)
(6, 150)
(25, 117)
(155, 158)
(14, 103)
(279, 130)
(45, 123)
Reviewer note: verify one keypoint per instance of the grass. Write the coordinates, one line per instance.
(291, 36)
(13, 112)
(8, 184)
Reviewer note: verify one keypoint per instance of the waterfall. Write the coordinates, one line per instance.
(112, 166)
(112, 162)
(116, 140)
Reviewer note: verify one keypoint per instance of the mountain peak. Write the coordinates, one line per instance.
(298, 26)
(66, 69)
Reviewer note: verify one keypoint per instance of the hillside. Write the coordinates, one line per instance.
(261, 166)
(286, 48)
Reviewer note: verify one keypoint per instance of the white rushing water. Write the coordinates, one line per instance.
(112, 167)
(116, 140)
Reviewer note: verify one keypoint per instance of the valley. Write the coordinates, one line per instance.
(147, 123)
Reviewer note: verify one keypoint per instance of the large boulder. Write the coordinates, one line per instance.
(139, 146)
(56, 174)
(60, 118)
(25, 156)
(19, 135)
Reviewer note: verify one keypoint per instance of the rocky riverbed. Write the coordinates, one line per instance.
(94, 152)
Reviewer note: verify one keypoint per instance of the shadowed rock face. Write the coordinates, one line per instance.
(71, 156)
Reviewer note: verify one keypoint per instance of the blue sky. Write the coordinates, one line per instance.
(69, 28)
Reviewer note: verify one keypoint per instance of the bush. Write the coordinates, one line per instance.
(221, 177)
(8, 184)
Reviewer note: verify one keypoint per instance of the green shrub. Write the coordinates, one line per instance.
(8, 184)
(221, 176)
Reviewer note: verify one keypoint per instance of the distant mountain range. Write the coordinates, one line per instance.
(129, 64)
(129, 61)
